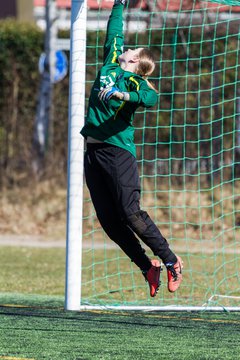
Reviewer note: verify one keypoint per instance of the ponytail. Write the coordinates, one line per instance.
(150, 84)
(146, 66)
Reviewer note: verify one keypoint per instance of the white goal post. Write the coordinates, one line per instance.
(75, 154)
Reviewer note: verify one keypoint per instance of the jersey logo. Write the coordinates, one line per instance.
(106, 81)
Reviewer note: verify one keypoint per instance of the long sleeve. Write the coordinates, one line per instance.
(145, 98)
(140, 93)
(113, 46)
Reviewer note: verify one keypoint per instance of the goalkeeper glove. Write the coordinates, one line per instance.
(107, 93)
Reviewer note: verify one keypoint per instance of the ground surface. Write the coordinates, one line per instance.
(38, 328)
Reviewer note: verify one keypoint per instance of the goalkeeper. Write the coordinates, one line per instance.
(110, 162)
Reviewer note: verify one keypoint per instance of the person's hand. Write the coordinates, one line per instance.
(112, 92)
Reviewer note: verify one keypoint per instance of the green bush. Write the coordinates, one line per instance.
(20, 47)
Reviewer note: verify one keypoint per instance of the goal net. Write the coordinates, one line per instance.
(188, 150)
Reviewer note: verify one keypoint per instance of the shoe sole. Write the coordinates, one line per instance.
(180, 277)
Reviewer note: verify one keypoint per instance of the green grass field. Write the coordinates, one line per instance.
(37, 327)
(42, 271)
(34, 325)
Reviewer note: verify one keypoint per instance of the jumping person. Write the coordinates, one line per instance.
(110, 162)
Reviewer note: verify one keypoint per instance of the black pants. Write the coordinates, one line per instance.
(114, 185)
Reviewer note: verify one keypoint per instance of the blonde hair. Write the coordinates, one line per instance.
(146, 65)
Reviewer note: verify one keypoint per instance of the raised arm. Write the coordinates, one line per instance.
(140, 94)
(113, 46)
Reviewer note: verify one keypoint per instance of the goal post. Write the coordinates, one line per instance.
(75, 154)
(187, 151)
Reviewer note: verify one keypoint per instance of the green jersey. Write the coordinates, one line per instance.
(112, 122)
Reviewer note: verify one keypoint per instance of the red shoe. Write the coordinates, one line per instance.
(174, 273)
(152, 276)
